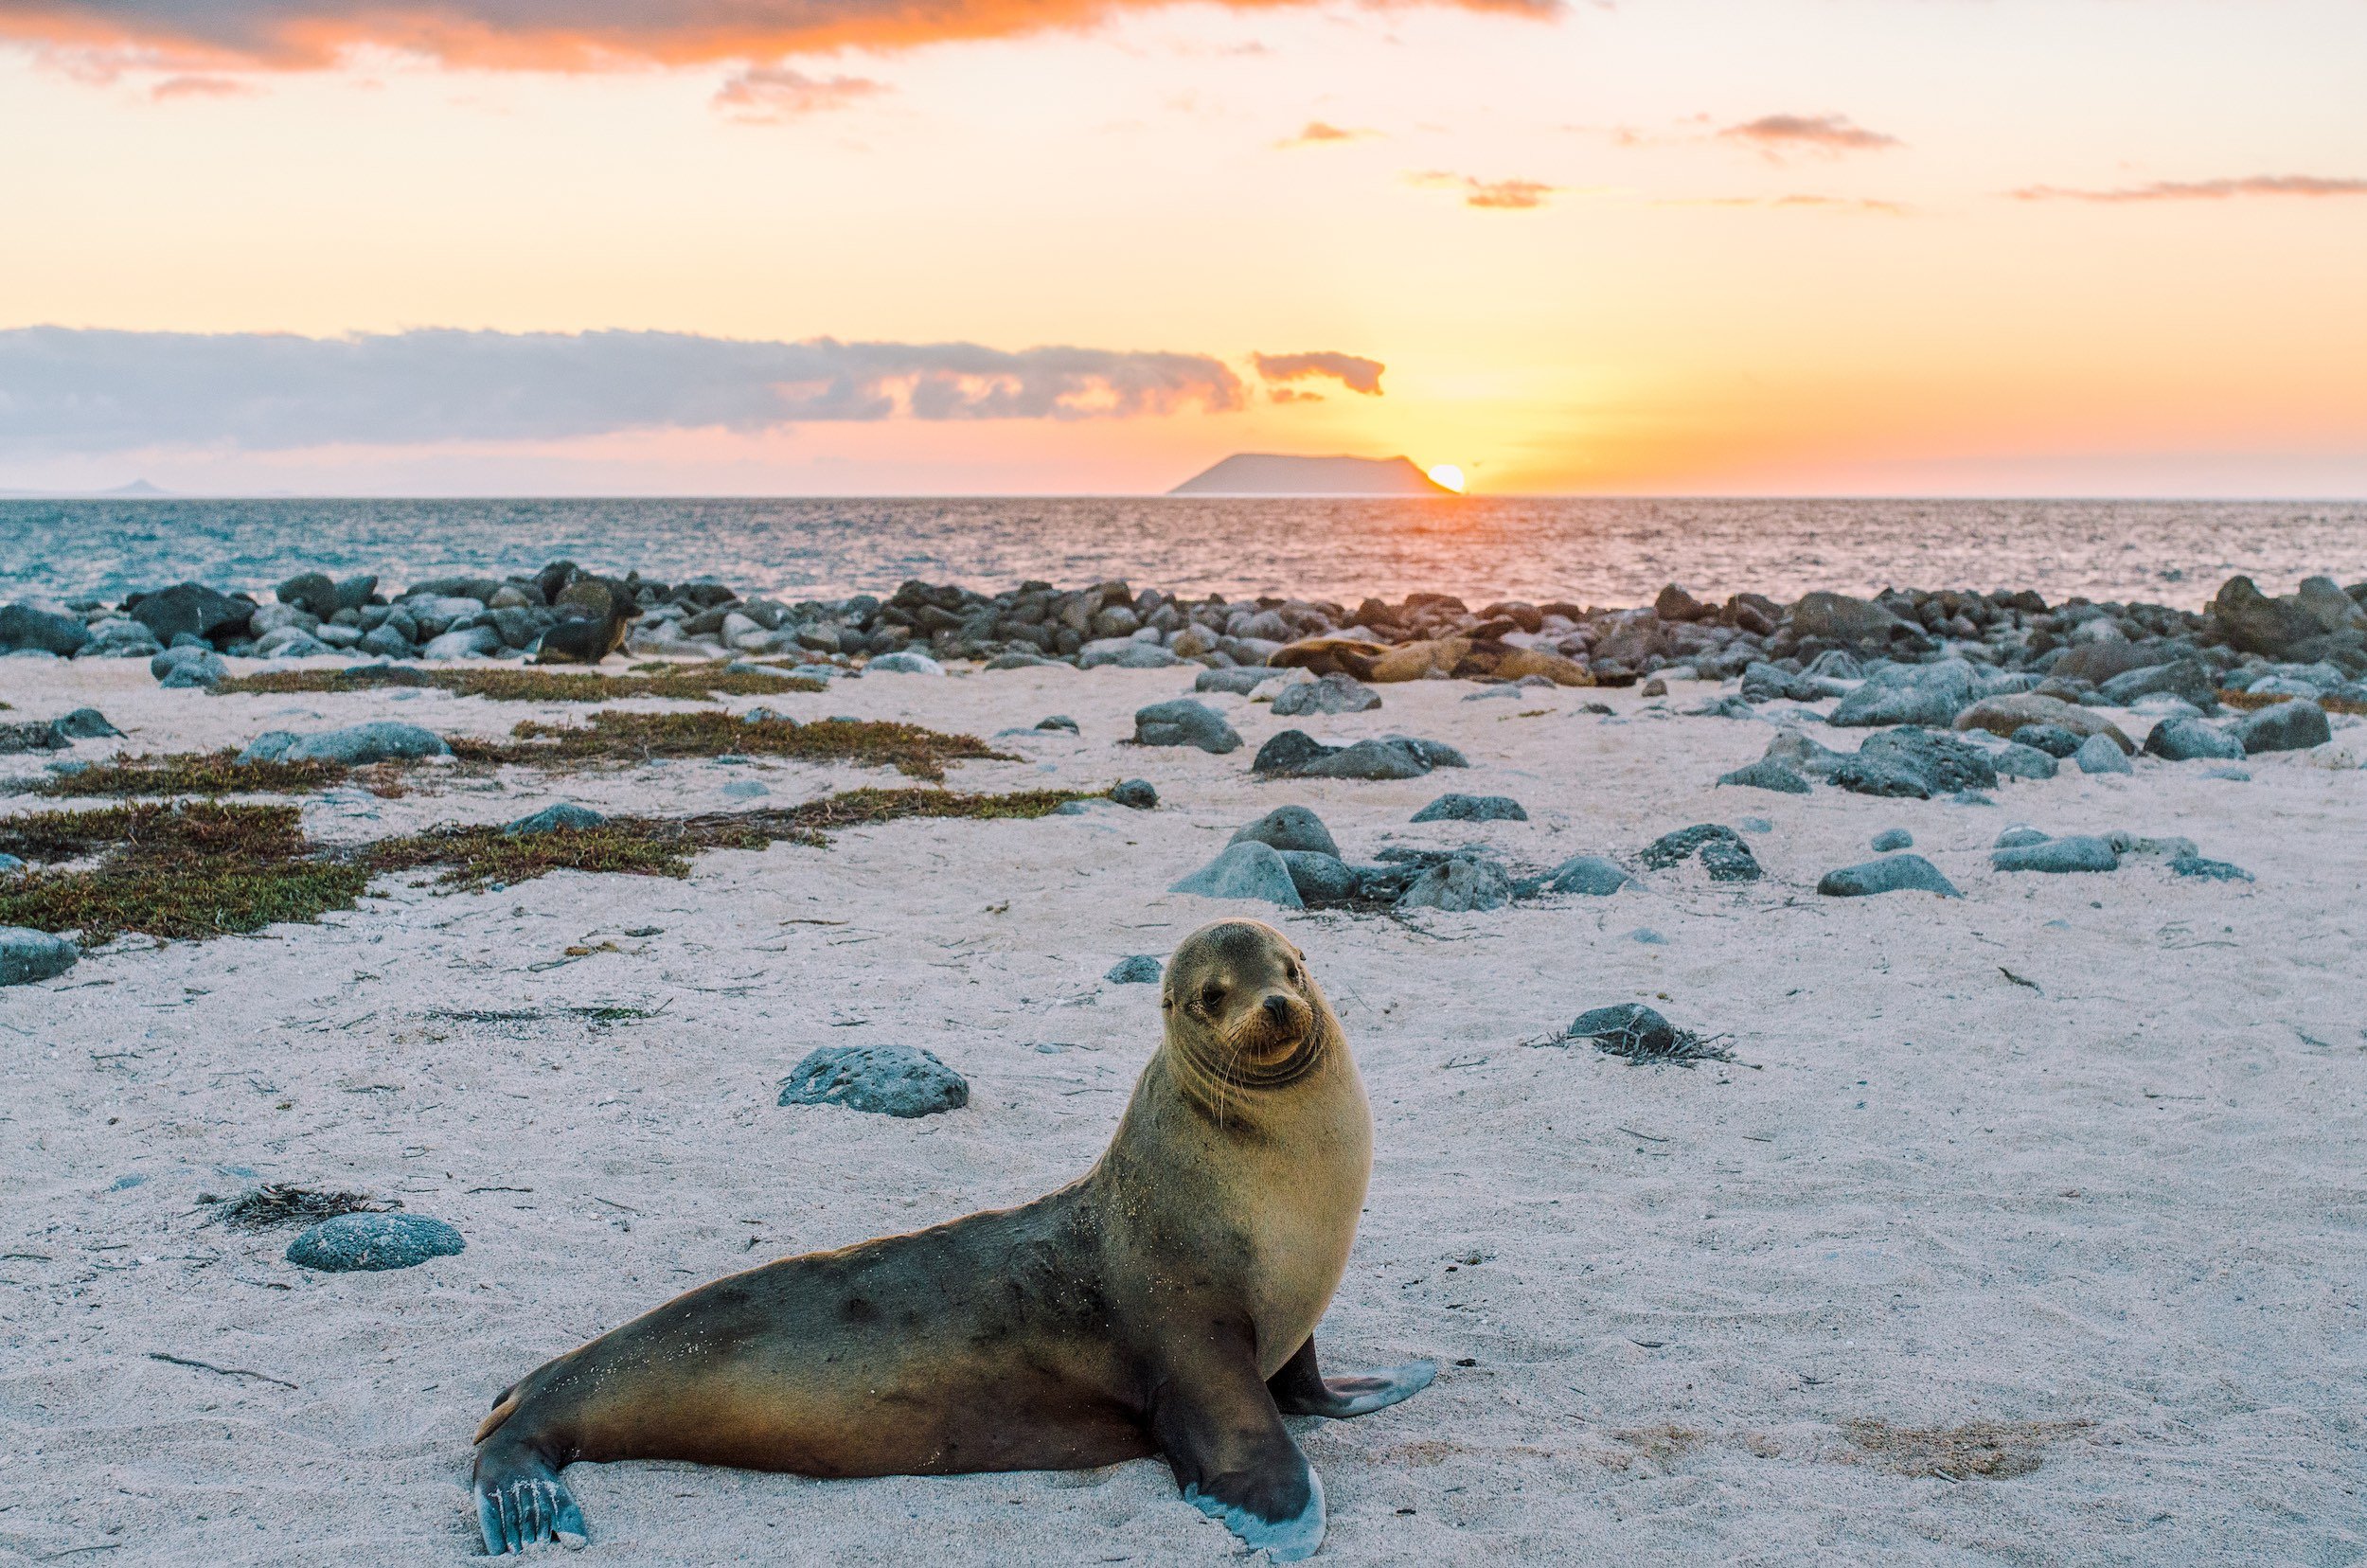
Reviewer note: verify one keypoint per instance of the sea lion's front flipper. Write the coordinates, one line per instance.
(1301, 1389)
(1236, 1462)
(521, 1500)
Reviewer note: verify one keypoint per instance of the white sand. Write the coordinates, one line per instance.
(2123, 1214)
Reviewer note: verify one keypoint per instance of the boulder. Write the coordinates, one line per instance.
(2004, 715)
(904, 662)
(27, 955)
(1136, 793)
(1465, 808)
(1458, 884)
(184, 664)
(2253, 623)
(885, 1080)
(1891, 839)
(2097, 754)
(2017, 836)
(314, 593)
(1802, 755)
(352, 1242)
(473, 642)
(26, 628)
(357, 745)
(194, 608)
(1940, 762)
(2100, 663)
(1838, 618)
(2333, 609)
(1320, 879)
(2187, 678)
(1910, 694)
(385, 642)
(1293, 754)
(2296, 725)
(2054, 740)
(1245, 870)
(2078, 853)
(2191, 740)
(1240, 683)
(1632, 1028)
(1767, 774)
(552, 819)
(1890, 874)
(1720, 849)
(2014, 760)
(1333, 693)
(1182, 722)
(1139, 968)
(1762, 683)
(1122, 653)
(1289, 827)
(1590, 875)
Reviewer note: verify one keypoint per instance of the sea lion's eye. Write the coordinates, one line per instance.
(1210, 994)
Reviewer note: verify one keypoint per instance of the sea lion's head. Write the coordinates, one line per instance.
(1242, 1007)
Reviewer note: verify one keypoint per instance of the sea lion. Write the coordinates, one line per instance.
(1165, 1302)
(593, 614)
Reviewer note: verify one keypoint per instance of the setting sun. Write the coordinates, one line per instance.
(1447, 477)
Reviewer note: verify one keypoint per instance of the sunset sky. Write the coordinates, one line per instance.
(919, 246)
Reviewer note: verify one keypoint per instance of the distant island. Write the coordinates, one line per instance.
(138, 490)
(1271, 474)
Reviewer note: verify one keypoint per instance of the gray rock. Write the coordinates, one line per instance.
(1767, 774)
(1890, 874)
(355, 591)
(2209, 870)
(886, 1080)
(474, 642)
(1867, 777)
(385, 642)
(1802, 755)
(1289, 827)
(1013, 660)
(313, 592)
(1764, 683)
(2233, 775)
(24, 627)
(1634, 1028)
(1721, 851)
(1465, 808)
(1059, 721)
(1755, 824)
(1124, 653)
(2253, 623)
(1590, 875)
(2054, 740)
(1459, 885)
(1939, 761)
(2097, 754)
(1333, 693)
(1648, 936)
(1836, 664)
(1930, 694)
(27, 955)
(2078, 853)
(551, 819)
(1838, 618)
(1245, 870)
(1185, 723)
(357, 745)
(1893, 838)
(2018, 835)
(184, 666)
(86, 725)
(1370, 759)
(2013, 761)
(1134, 793)
(194, 608)
(749, 789)
(1139, 968)
(2288, 727)
(903, 662)
(10, 866)
(1240, 683)
(2188, 679)
(352, 1242)
(1320, 879)
(2190, 740)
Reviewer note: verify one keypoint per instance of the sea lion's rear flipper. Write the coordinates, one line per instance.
(1236, 1462)
(1301, 1389)
(521, 1500)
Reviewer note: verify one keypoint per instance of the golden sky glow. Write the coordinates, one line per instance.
(1886, 246)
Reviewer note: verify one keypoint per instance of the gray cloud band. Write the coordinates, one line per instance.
(68, 389)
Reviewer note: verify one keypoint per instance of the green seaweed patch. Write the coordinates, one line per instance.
(684, 683)
(173, 872)
(216, 772)
(626, 738)
(2254, 701)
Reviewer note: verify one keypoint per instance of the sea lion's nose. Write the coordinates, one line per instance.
(1278, 1009)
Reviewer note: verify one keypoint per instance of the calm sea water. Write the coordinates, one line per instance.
(1596, 551)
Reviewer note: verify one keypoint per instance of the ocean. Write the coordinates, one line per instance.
(1603, 552)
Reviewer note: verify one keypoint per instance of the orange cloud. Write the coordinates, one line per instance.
(1319, 135)
(200, 86)
(1502, 195)
(568, 35)
(1352, 371)
(1775, 134)
(770, 95)
(2203, 190)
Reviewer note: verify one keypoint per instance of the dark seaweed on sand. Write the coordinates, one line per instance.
(275, 1205)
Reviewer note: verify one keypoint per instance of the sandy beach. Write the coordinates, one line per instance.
(2029, 1227)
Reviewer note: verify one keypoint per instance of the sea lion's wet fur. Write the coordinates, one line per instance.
(1143, 1307)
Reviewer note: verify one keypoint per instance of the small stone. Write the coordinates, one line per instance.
(357, 745)
(886, 1080)
(189, 665)
(1125, 654)
(352, 1242)
(2188, 740)
(2078, 853)
(1333, 693)
(2296, 725)
(1648, 936)
(1755, 824)
(1890, 874)
(2013, 761)
(551, 819)
(1289, 827)
(1767, 774)
(2054, 740)
(1893, 838)
(2233, 775)
(1458, 886)
(1320, 879)
(1059, 721)
(2017, 836)
(473, 642)
(1464, 808)
(1590, 875)
(1635, 1027)
(745, 789)
(1240, 683)
(1185, 723)
(1721, 851)
(2210, 870)
(1139, 968)
(2097, 754)
(10, 866)
(904, 662)
(27, 955)
(1136, 793)
(1245, 870)
(1653, 688)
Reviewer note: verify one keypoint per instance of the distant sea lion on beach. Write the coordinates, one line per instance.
(595, 612)
(1165, 1302)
